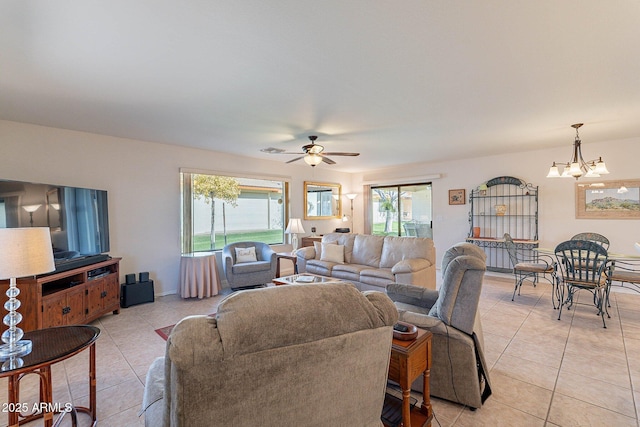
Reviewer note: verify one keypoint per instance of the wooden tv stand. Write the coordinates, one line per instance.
(73, 297)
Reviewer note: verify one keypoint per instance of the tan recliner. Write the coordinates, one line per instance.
(459, 372)
(312, 355)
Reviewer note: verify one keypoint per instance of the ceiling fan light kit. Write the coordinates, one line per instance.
(313, 154)
(577, 166)
(313, 159)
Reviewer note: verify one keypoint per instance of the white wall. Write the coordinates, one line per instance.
(556, 196)
(142, 179)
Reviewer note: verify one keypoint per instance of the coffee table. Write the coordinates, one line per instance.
(304, 279)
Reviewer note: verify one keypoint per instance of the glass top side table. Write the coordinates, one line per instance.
(50, 346)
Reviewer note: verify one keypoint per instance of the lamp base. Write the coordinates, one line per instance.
(21, 348)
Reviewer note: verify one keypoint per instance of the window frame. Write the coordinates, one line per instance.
(187, 199)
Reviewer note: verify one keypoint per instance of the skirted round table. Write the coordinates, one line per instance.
(199, 276)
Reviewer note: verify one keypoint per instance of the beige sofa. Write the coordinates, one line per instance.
(372, 262)
(312, 355)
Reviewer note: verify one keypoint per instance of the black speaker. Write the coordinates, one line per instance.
(130, 279)
(143, 277)
(137, 293)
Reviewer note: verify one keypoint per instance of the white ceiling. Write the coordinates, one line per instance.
(399, 81)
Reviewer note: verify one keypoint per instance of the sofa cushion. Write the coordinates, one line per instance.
(348, 271)
(323, 268)
(345, 239)
(381, 273)
(333, 253)
(367, 250)
(351, 268)
(395, 249)
(251, 267)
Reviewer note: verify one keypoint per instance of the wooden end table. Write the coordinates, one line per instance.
(409, 360)
(50, 346)
(286, 255)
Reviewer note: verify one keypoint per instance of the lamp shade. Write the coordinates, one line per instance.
(313, 159)
(351, 196)
(25, 252)
(294, 226)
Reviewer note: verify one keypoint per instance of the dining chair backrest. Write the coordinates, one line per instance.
(593, 237)
(511, 249)
(582, 262)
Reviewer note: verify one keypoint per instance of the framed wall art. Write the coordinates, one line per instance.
(457, 197)
(608, 199)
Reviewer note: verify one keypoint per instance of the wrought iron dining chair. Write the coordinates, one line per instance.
(593, 237)
(531, 268)
(625, 271)
(583, 265)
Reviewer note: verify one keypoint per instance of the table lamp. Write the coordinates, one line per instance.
(23, 252)
(294, 227)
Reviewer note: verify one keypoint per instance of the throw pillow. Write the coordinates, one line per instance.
(246, 255)
(332, 253)
(318, 247)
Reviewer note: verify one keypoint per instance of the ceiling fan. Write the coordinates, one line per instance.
(313, 154)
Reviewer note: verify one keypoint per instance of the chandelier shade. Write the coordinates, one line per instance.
(577, 167)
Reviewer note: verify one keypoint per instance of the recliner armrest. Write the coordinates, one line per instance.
(413, 295)
(410, 265)
(154, 384)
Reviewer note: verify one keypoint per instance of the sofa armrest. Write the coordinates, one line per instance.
(410, 265)
(413, 295)
(308, 252)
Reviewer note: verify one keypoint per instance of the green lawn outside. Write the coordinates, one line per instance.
(201, 241)
(378, 229)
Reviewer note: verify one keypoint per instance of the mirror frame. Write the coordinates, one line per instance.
(333, 187)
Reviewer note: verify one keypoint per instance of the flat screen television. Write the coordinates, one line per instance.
(77, 217)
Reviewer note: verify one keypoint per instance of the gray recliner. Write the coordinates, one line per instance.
(308, 355)
(459, 372)
(249, 274)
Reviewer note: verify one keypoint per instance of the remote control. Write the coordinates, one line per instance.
(400, 328)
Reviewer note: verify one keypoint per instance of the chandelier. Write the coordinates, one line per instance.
(577, 167)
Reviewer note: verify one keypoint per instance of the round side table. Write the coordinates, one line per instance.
(51, 345)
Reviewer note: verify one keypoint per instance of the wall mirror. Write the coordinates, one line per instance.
(322, 200)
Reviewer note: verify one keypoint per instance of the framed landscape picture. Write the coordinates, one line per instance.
(457, 197)
(608, 199)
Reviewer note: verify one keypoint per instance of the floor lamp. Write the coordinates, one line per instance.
(23, 252)
(350, 196)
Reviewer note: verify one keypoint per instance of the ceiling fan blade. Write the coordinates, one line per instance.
(342, 154)
(328, 160)
(272, 150)
(294, 160)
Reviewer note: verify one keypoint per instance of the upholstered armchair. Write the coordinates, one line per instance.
(459, 372)
(247, 264)
(312, 355)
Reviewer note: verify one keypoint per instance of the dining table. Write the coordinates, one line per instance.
(625, 268)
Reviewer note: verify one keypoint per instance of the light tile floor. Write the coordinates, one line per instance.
(544, 372)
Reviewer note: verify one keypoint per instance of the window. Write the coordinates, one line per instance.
(218, 209)
(401, 210)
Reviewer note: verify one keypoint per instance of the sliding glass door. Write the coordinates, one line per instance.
(401, 210)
